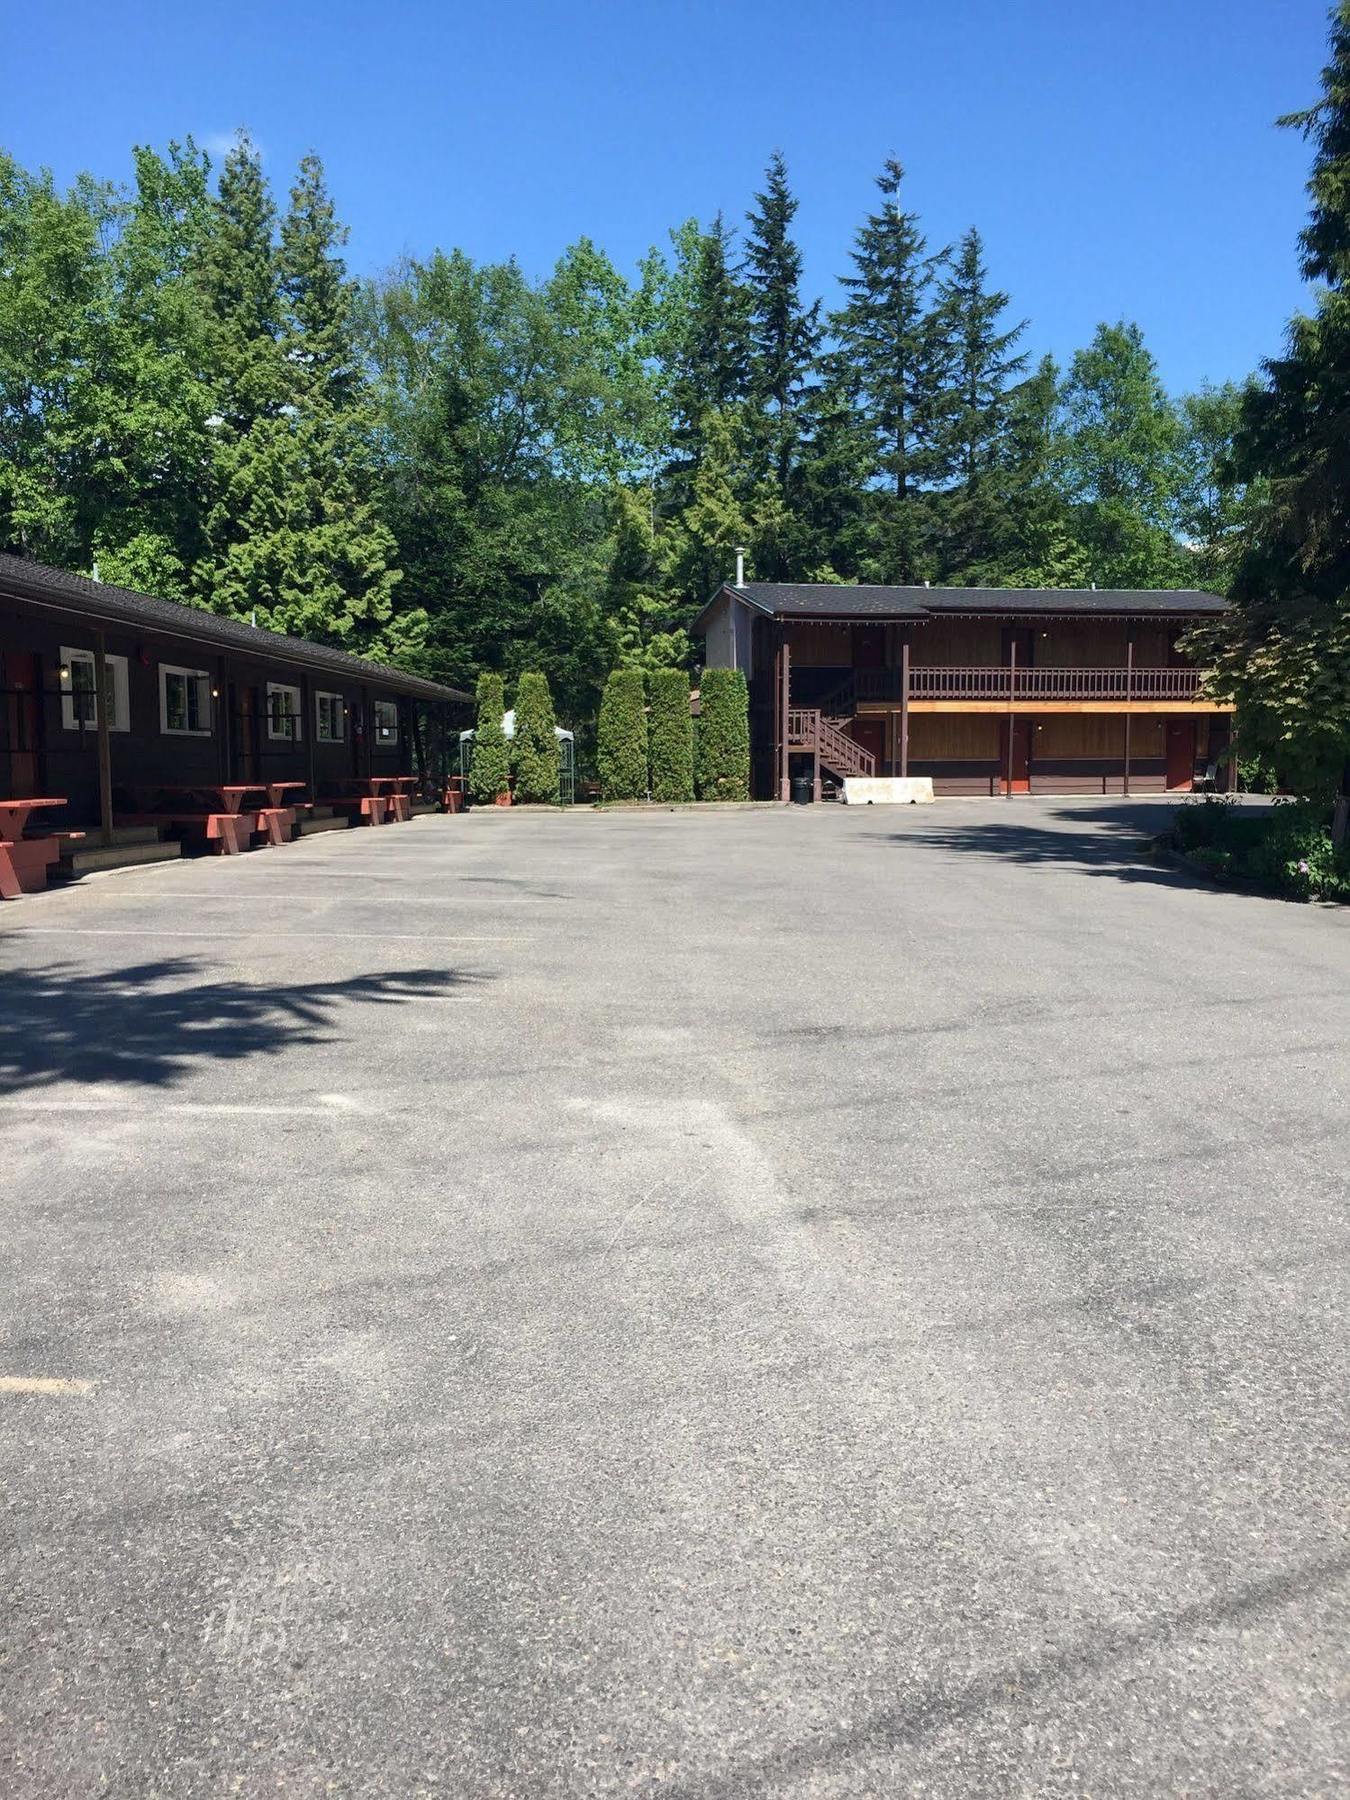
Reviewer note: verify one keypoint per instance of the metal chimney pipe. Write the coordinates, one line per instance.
(740, 565)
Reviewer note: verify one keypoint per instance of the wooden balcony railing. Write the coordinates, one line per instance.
(999, 685)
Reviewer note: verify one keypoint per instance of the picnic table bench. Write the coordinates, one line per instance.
(24, 861)
(373, 799)
(225, 814)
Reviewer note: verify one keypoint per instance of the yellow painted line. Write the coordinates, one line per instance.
(42, 1384)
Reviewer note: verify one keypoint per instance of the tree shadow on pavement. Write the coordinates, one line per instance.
(1122, 847)
(150, 1023)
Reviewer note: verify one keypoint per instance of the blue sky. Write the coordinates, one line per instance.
(1119, 156)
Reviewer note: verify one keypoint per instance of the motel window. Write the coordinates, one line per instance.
(386, 724)
(330, 718)
(79, 704)
(184, 701)
(283, 712)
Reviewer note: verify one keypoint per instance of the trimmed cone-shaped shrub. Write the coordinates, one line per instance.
(621, 737)
(490, 770)
(671, 748)
(534, 748)
(723, 759)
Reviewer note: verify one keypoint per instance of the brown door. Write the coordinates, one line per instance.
(871, 735)
(1180, 753)
(245, 734)
(869, 646)
(1021, 755)
(20, 714)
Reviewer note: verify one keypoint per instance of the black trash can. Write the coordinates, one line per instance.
(802, 790)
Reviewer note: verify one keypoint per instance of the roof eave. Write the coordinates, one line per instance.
(87, 606)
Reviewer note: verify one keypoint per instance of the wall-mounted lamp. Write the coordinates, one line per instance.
(215, 693)
(65, 671)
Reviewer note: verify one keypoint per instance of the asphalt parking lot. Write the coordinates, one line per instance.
(812, 1302)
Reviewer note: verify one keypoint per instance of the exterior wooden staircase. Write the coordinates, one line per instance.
(809, 729)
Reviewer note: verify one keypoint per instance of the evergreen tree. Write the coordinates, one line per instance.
(671, 751)
(1284, 654)
(292, 533)
(892, 355)
(708, 349)
(534, 748)
(317, 329)
(784, 334)
(490, 767)
(1120, 464)
(242, 295)
(722, 745)
(621, 738)
(147, 493)
(981, 360)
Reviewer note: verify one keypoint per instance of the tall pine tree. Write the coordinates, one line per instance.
(784, 333)
(293, 535)
(893, 357)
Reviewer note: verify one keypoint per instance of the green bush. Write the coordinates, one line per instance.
(621, 737)
(490, 770)
(723, 747)
(672, 736)
(1287, 847)
(535, 745)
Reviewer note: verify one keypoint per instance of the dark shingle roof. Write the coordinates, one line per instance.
(107, 605)
(824, 600)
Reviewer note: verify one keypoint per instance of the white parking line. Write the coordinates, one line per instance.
(371, 937)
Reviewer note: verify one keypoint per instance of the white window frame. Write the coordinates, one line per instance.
(339, 718)
(291, 730)
(202, 676)
(119, 714)
(381, 741)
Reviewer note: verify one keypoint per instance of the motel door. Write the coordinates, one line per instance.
(871, 735)
(869, 647)
(1180, 752)
(1021, 754)
(20, 705)
(244, 705)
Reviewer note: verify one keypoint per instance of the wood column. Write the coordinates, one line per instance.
(1012, 716)
(904, 708)
(785, 690)
(105, 811)
(1129, 689)
(309, 724)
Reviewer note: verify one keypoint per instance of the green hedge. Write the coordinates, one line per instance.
(535, 747)
(490, 770)
(671, 750)
(723, 759)
(621, 737)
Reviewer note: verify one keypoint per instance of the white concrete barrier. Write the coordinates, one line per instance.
(888, 790)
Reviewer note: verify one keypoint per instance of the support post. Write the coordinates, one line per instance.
(105, 812)
(1012, 717)
(784, 784)
(904, 708)
(309, 726)
(1129, 690)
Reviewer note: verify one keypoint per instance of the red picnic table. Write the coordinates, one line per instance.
(24, 862)
(368, 799)
(224, 813)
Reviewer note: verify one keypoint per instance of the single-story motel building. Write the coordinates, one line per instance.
(985, 690)
(192, 697)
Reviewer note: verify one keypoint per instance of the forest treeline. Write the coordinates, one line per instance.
(462, 468)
